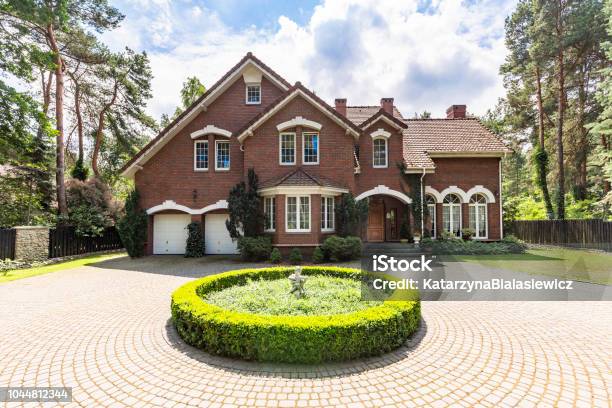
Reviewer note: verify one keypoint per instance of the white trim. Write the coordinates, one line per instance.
(457, 191)
(280, 149)
(434, 193)
(386, 165)
(474, 207)
(304, 149)
(297, 213)
(419, 170)
(479, 189)
(299, 121)
(171, 205)
(211, 130)
(131, 170)
(384, 190)
(384, 119)
(195, 156)
(451, 218)
(380, 133)
(465, 154)
(248, 132)
(272, 216)
(217, 142)
(331, 191)
(246, 93)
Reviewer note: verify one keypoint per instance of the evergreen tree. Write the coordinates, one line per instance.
(245, 209)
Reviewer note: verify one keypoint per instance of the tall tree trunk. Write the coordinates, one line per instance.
(542, 164)
(580, 188)
(59, 119)
(79, 117)
(560, 113)
(100, 131)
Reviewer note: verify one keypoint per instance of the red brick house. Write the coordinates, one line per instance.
(306, 154)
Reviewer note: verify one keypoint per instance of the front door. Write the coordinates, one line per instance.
(391, 225)
(376, 221)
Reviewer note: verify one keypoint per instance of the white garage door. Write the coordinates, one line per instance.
(170, 233)
(216, 237)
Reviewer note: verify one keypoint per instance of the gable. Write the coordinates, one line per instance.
(247, 70)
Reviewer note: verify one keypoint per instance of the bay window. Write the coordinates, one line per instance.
(297, 214)
(270, 213)
(327, 214)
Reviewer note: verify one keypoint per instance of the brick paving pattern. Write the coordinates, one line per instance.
(105, 331)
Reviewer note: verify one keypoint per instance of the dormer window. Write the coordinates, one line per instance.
(253, 94)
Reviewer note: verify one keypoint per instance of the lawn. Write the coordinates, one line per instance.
(574, 264)
(40, 270)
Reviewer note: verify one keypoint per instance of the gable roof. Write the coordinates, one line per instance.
(200, 104)
(300, 178)
(385, 116)
(288, 96)
(427, 138)
(359, 114)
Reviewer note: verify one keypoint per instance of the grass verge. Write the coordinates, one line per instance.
(574, 264)
(41, 270)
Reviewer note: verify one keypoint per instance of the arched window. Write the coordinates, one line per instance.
(478, 216)
(451, 214)
(379, 152)
(431, 209)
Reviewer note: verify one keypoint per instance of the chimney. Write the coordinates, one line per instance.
(341, 106)
(456, 112)
(387, 105)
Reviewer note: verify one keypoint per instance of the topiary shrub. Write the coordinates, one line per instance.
(318, 256)
(132, 227)
(195, 241)
(295, 256)
(255, 248)
(275, 256)
(291, 339)
(341, 249)
(79, 171)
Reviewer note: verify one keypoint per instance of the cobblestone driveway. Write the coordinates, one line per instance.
(105, 331)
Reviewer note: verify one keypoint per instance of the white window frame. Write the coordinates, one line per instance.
(304, 134)
(431, 208)
(378, 166)
(195, 155)
(475, 207)
(324, 226)
(246, 93)
(229, 153)
(450, 214)
(280, 148)
(270, 217)
(297, 216)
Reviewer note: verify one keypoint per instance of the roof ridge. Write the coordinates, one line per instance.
(310, 176)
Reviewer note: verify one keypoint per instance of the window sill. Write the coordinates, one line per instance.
(310, 164)
(286, 164)
(295, 232)
(200, 170)
(380, 167)
(253, 103)
(223, 169)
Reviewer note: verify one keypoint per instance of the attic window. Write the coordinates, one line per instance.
(253, 94)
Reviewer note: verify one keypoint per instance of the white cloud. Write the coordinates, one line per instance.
(426, 57)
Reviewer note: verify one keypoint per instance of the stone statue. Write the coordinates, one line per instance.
(297, 283)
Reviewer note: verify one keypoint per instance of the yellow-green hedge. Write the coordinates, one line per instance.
(292, 339)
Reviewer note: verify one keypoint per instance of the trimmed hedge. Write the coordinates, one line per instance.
(290, 339)
(509, 245)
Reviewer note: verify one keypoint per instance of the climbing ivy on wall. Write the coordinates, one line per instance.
(413, 181)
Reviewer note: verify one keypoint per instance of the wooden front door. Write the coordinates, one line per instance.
(391, 225)
(376, 221)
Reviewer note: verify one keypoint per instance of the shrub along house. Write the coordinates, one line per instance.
(307, 154)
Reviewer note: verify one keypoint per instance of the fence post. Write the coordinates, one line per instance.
(31, 243)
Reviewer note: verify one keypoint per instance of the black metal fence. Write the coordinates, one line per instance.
(7, 243)
(594, 234)
(65, 242)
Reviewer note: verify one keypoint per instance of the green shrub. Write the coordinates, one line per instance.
(318, 256)
(509, 245)
(341, 249)
(467, 234)
(290, 339)
(255, 248)
(132, 227)
(195, 241)
(404, 231)
(295, 256)
(275, 256)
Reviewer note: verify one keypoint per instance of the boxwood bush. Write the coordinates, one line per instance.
(255, 248)
(508, 245)
(341, 249)
(290, 339)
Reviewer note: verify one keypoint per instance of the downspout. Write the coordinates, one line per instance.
(422, 208)
(501, 208)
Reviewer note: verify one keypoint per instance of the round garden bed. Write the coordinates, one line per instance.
(249, 314)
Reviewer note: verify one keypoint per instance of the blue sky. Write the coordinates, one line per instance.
(427, 54)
